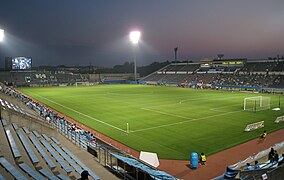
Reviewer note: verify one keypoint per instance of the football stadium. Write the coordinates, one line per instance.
(141, 90)
(176, 111)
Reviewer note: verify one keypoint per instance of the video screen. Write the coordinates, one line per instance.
(21, 63)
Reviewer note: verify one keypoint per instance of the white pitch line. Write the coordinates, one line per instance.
(160, 112)
(80, 113)
(182, 122)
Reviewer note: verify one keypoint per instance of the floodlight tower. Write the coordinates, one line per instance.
(1, 35)
(134, 38)
(1, 39)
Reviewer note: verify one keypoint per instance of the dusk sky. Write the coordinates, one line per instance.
(74, 32)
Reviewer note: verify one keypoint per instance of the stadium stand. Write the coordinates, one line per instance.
(12, 169)
(260, 74)
(57, 158)
(34, 174)
(12, 143)
(48, 174)
(28, 149)
(271, 168)
(42, 153)
(26, 130)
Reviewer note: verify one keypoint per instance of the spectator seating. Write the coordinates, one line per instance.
(28, 149)
(34, 174)
(42, 152)
(67, 159)
(26, 130)
(36, 133)
(48, 174)
(13, 145)
(57, 158)
(67, 164)
(15, 126)
(1, 177)
(62, 177)
(12, 169)
(46, 137)
(55, 140)
(4, 122)
(80, 163)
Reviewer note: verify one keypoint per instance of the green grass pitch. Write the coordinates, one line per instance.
(170, 121)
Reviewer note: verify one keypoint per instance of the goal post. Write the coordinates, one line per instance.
(256, 103)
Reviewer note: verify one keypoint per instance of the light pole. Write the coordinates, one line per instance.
(1, 35)
(1, 39)
(134, 38)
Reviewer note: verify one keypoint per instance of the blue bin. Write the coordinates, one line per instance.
(194, 160)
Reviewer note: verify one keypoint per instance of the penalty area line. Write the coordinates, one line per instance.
(80, 113)
(164, 113)
(182, 122)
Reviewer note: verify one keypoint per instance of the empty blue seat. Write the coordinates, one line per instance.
(36, 134)
(55, 140)
(46, 137)
(63, 177)
(53, 153)
(15, 126)
(67, 159)
(27, 131)
(11, 169)
(42, 153)
(84, 167)
(27, 147)
(13, 145)
(34, 174)
(4, 122)
(48, 174)
(2, 177)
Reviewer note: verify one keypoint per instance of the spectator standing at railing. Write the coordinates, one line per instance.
(271, 155)
(256, 166)
(276, 156)
(249, 167)
(282, 161)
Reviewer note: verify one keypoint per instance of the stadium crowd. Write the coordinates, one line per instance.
(48, 115)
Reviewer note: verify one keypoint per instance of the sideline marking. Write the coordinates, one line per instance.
(79, 112)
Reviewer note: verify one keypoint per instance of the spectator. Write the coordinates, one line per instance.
(256, 166)
(276, 156)
(84, 175)
(249, 167)
(271, 155)
(282, 161)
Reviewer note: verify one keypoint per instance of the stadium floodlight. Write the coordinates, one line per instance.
(1, 35)
(134, 38)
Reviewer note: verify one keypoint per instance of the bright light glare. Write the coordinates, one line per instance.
(1, 35)
(135, 36)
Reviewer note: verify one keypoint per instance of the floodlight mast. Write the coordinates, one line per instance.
(1, 39)
(1, 35)
(134, 38)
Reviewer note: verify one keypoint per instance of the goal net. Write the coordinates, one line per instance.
(257, 103)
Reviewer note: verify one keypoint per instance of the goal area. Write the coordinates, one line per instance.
(257, 103)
